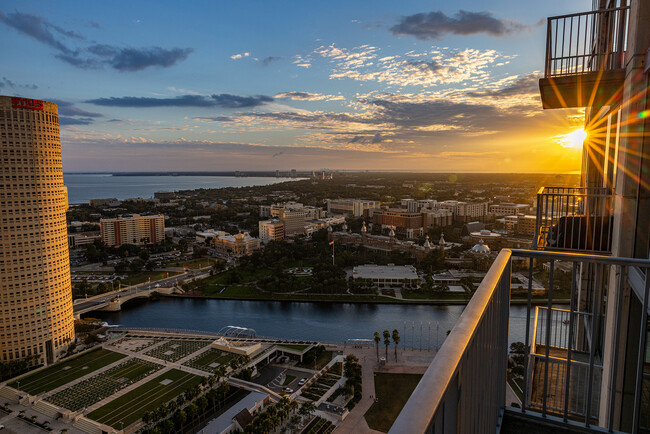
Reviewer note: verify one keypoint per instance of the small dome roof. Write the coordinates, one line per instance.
(481, 248)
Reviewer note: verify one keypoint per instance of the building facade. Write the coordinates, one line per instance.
(465, 211)
(504, 209)
(241, 244)
(36, 315)
(405, 222)
(136, 229)
(352, 207)
(388, 276)
(271, 230)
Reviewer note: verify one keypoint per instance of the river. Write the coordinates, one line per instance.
(324, 322)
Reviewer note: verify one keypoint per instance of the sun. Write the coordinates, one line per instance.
(572, 140)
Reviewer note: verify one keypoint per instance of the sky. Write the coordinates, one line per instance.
(266, 85)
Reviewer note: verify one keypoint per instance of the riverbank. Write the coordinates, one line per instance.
(357, 299)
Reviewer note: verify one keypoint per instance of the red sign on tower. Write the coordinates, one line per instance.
(26, 103)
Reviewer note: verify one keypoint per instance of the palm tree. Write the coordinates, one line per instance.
(396, 339)
(386, 341)
(377, 340)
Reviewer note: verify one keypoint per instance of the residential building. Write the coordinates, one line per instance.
(36, 315)
(240, 244)
(351, 207)
(436, 218)
(584, 365)
(504, 209)
(135, 229)
(465, 211)
(271, 230)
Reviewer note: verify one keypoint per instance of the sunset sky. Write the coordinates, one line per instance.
(265, 85)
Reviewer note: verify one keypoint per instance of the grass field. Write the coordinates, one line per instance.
(66, 371)
(176, 349)
(392, 391)
(211, 356)
(129, 407)
(103, 385)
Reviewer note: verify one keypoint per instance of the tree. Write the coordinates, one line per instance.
(396, 340)
(386, 341)
(377, 340)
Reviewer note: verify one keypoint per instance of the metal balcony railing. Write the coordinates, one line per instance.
(586, 42)
(578, 219)
(463, 390)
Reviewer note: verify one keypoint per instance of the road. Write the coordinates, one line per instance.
(82, 304)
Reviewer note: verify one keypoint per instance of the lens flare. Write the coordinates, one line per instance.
(644, 114)
(572, 140)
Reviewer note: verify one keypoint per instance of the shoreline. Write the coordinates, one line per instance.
(429, 302)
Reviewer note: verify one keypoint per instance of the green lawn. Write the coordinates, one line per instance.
(288, 379)
(392, 391)
(211, 356)
(66, 371)
(323, 359)
(129, 407)
(144, 276)
(100, 386)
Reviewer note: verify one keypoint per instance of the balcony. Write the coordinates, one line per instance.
(584, 59)
(575, 219)
(565, 386)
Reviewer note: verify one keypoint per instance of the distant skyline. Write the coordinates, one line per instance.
(254, 85)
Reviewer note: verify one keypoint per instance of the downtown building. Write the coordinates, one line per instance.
(136, 229)
(583, 366)
(36, 314)
(350, 207)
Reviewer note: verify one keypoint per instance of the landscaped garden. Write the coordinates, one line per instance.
(130, 407)
(66, 371)
(103, 385)
(320, 386)
(210, 360)
(177, 349)
(318, 425)
(392, 392)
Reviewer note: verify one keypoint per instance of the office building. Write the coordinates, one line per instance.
(97, 203)
(36, 318)
(584, 366)
(351, 207)
(135, 229)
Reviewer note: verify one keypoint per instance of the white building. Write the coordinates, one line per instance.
(508, 209)
(386, 276)
(271, 230)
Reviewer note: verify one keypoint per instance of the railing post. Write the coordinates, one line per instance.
(527, 346)
(567, 382)
(548, 336)
(617, 328)
(643, 330)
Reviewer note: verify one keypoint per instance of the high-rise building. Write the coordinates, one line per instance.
(36, 318)
(136, 229)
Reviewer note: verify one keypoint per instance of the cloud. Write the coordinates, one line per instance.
(270, 59)
(223, 100)
(37, 28)
(523, 85)
(226, 100)
(95, 55)
(239, 56)
(277, 154)
(433, 67)
(434, 25)
(308, 96)
(67, 108)
(132, 59)
(5, 82)
(66, 120)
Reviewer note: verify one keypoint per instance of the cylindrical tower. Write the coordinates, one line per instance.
(36, 318)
